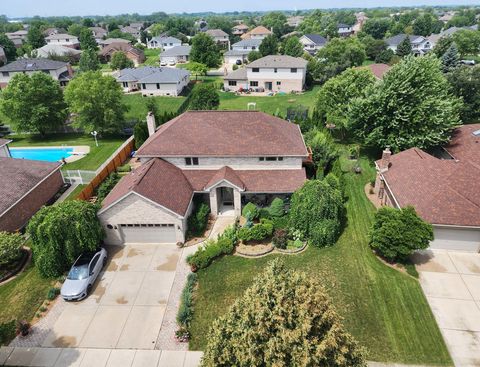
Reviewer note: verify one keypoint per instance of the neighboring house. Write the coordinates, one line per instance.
(63, 39)
(240, 50)
(211, 156)
(295, 21)
(134, 32)
(279, 73)
(165, 43)
(137, 25)
(452, 30)
(259, 32)
(98, 33)
(312, 43)
(239, 29)
(4, 151)
(220, 37)
(25, 186)
(378, 70)
(154, 81)
(3, 56)
(177, 54)
(132, 53)
(442, 188)
(58, 70)
(51, 31)
(18, 38)
(420, 45)
(344, 30)
(109, 41)
(447, 17)
(50, 50)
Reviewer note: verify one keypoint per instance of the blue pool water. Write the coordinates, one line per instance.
(42, 154)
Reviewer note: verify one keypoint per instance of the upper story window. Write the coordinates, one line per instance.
(255, 70)
(293, 70)
(144, 86)
(191, 161)
(270, 159)
(275, 70)
(125, 84)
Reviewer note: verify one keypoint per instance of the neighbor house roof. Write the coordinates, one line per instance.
(237, 53)
(166, 40)
(225, 133)
(251, 42)
(316, 39)
(109, 41)
(58, 50)
(19, 177)
(396, 40)
(441, 190)
(241, 26)
(20, 65)
(216, 33)
(98, 30)
(60, 36)
(177, 51)
(121, 46)
(378, 70)
(239, 74)
(279, 61)
(150, 74)
(260, 30)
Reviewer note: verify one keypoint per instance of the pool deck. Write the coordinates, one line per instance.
(79, 151)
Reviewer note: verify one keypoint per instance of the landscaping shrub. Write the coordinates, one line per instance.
(107, 186)
(258, 232)
(280, 238)
(277, 208)
(396, 233)
(250, 211)
(53, 293)
(185, 310)
(204, 256)
(124, 168)
(324, 233)
(264, 213)
(280, 222)
(198, 220)
(60, 233)
(7, 332)
(10, 248)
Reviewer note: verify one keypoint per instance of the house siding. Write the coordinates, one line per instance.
(17, 216)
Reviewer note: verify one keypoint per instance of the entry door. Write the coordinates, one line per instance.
(227, 195)
(268, 85)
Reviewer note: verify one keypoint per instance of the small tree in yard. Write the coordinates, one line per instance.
(10, 248)
(254, 55)
(204, 97)
(60, 233)
(120, 61)
(284, 319)
(451, 59)
(88, 61)
(404, 48)
(269, 46)
(197, 69)
(205, 51)
(396, 233)
(34, 103)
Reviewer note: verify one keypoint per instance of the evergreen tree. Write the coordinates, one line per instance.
(8, 47)
(87, 41)
(450, 59)
(89, 61)
(269, 46)
(404, 48)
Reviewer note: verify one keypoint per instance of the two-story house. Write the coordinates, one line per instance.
(344, 30)
(239, 29)
(220, 37)
(420, 45)
(259, 32)
(165, 43)
(240, 50)
(312, 43)
(211, 156)
(63, 39)
(274, 73)
(58, 70)
(134, 32)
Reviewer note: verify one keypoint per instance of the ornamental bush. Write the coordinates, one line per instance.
(277, 208)
(185, 310)
(60, 233)
(397, 233)
(250, 211)
(10, 248)
(258, 232)
(285, 318)
(107, 186)
(324, 233)
(198, 220)
(280, 238)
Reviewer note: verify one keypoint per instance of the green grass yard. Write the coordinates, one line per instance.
(137, 109)
(93, 160)
(152, 57)
(385, 310)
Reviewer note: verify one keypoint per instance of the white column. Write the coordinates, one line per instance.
(213, 202)
(237, 202)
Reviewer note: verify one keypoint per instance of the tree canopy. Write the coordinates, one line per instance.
(412, 107)
(35, 37)
(293, 47)
(205, 51)
(277, 21)
(283, 319)
(87, 41)
(377, 27)
(343, 51)
(269, 46)
(34, 103)
(8, 47)
(89, 61)
(404, 48)
(465, 81)
(97, 102)
(120, 61)
(467, 41)
(204, 97)
(450, 59)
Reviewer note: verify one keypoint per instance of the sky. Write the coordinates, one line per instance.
(27, 8)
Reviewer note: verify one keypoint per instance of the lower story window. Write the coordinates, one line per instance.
(125, 84)
(254, 84)
(232, 83)
(279, 83)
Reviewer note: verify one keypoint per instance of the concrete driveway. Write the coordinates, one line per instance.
(451, 282)
(127, 305)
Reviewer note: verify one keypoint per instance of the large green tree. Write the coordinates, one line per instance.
(35, 37)
(8, 47)
(465, 81)
(34, 103)
(467, 41)
(442, 46)
(343, 51)
(269, 46)
(89, 61)
(404, 48)
(60, 233)
(293, 47)
(204, 97)
(426, 24)
(96, 101)
(377, 27)
(205, 51)
(87, 41)
(120, 61)
(276, 21)
(412, 107)
(283, 319)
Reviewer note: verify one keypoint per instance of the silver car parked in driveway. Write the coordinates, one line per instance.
(82, 275)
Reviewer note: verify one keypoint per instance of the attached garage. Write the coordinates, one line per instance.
(456, 239)
(148, 233)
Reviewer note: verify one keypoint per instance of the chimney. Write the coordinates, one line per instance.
(386, 154)
(151, 124)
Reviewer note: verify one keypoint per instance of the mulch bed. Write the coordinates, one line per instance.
(254, 250)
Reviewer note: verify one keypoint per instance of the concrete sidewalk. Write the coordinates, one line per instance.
(89, 357)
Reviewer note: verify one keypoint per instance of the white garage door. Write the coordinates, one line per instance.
(456, 239)
(148, 233)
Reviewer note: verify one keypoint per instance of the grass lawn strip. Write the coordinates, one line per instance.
(385, 310)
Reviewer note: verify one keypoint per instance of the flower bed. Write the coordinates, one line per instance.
(293, 249)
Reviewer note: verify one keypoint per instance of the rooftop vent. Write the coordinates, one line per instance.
(476, 133)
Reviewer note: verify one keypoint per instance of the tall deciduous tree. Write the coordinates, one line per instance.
(34, 103)
(204, 97)
(284, 319)
(442, 46)
(465, 81)
(35, 37)
(343, 51)
(97, 102)
(467, 41)
(87, 41)
(413, 107)
(8, 47)
(377, 27)
(89, 61)
(205, 51)
(404, 48)
(120, 61)
(269, 46)
(293, 47)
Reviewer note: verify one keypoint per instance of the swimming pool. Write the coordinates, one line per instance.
(41, 154)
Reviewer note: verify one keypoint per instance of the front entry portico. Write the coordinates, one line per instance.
(224, 199)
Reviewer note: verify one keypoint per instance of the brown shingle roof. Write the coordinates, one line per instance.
(378, 70)
(225, 133)
(19, 176)
(442, 191)
(121, 46)
(228, 174)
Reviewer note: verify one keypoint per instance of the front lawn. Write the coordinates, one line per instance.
(93, 160)
(272, 105)
(137, 109)
(152, 57)
(384, 309)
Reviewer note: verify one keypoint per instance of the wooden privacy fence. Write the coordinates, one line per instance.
(117, 159)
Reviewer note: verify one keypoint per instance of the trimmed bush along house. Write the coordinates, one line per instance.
(223, 158)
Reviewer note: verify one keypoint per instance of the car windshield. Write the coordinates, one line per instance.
(78, 272)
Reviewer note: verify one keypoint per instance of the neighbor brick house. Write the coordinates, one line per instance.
(225, 158)
(442, 187)
(132, 53)
(25, 186)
